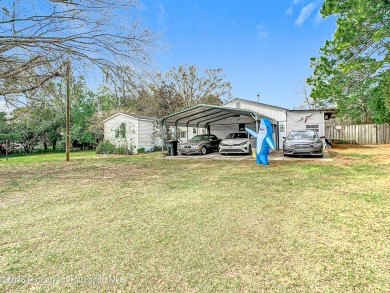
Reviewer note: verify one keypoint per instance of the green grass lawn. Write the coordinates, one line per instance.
(44, 157)
(195, 226)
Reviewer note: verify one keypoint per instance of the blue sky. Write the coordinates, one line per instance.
(262, 46)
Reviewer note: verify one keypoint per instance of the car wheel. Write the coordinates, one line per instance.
(203, 150)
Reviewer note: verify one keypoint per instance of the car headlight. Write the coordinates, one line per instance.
(243, 143)
(318, 143)
(288, 144)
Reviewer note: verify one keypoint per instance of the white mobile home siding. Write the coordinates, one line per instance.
(222, 128)
(139, 131)
(131, 130)
(273, 112)
(145, 134)
(276, 113)
(189, 132)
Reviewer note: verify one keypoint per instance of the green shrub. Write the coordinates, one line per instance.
(106, 147)
(123, 150)
(141, 150)
(18, 152)
(38, 151)
(157, 148)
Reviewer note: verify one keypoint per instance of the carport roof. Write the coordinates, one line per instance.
(202, 115)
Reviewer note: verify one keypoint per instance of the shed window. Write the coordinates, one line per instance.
(314, 127)
(121, 131)
(183, 134)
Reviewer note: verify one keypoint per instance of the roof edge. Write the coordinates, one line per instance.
(132, 116)
(251, 112)
(256, 103)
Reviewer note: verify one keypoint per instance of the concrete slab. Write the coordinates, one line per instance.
(278, 156)
(274, 156)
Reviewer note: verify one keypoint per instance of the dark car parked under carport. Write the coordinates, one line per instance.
(200, 144)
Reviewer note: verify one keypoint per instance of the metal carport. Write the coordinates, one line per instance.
(205, 116)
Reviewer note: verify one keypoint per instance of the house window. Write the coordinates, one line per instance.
(121, 131)
(183, 134)
(193, 130)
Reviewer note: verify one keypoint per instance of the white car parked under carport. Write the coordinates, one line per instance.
(236, 143)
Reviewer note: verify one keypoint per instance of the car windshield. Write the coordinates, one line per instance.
(302, 134)
(237, 135)
(199, 138)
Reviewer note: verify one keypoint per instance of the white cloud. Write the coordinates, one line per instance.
(261, 31)
(318, 18)
(305, 13)
(162, 13)
(289, 11)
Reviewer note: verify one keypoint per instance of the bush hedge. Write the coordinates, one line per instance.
(141, 150)
(106, 147)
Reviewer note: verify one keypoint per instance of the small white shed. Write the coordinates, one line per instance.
(306, 119)
(133, 131)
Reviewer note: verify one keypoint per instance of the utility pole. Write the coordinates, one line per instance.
(67, 145)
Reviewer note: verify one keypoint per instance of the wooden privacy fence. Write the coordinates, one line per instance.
(359, 134)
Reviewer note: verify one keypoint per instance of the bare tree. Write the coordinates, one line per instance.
(182, 87)
(195, 87)
(307, 103)
(37, 36)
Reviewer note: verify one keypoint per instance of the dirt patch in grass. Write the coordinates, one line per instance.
(348, 153)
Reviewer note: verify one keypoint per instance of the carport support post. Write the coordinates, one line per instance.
(187, 131)
(162, 136)
(175, 132)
